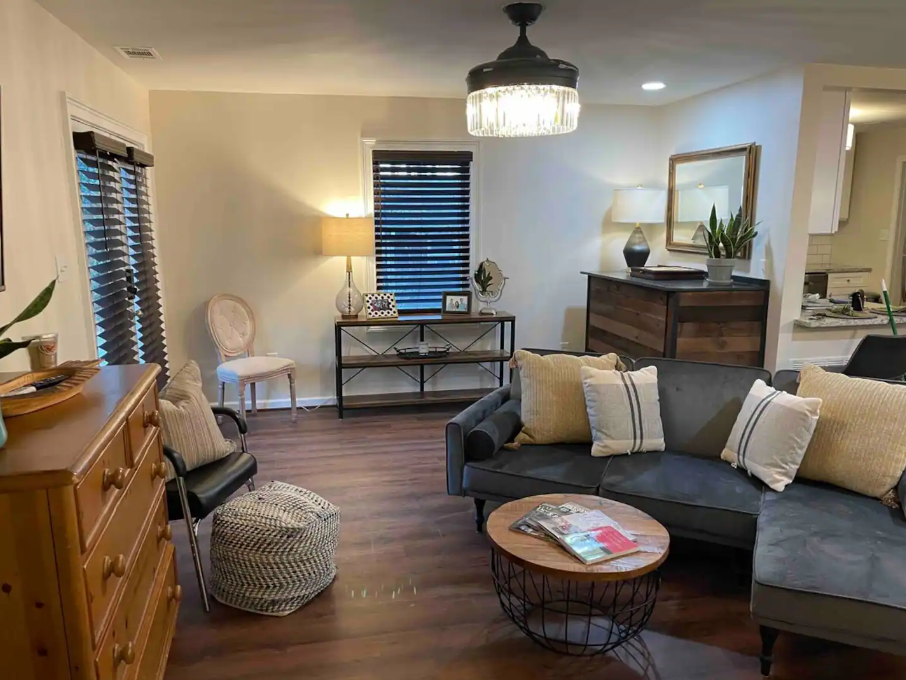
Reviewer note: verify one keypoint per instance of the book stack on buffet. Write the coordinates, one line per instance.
(590, 536)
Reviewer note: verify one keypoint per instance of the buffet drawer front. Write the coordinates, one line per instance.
(143, 423)
(101, 486)
(114, 555)
(160, 633)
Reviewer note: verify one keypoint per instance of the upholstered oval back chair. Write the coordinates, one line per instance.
(232, 327)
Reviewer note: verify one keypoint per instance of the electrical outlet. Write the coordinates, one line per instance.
(564, 345)
(62, 268)
(884, 234)
(271, 354)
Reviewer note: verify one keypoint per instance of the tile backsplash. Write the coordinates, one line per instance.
(820, 250)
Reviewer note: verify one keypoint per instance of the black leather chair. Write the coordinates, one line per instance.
(195, 494)
(878, 356)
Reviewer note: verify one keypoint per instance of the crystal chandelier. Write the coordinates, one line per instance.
(523, 93)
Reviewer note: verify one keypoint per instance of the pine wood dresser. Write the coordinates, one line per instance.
(88, 585)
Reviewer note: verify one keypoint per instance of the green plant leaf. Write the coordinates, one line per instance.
(7, 346)
(712, 222)
(34, 308)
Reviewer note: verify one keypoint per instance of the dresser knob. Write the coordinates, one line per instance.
(115, 478)
(114, 566)
(159, 470)
(174, 593)
(152, 418)
(123, 654)
(164, 532)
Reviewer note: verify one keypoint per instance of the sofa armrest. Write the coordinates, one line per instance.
(901, 492)
(460, 426)
(176, 460)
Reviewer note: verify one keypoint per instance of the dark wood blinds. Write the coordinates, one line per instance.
(122, 268)
(422, 218)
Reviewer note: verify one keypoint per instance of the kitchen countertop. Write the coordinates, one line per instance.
(808, 320)
(836, 269)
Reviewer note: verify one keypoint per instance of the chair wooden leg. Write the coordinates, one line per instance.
(254, 399)
(193, 541)
(292, 395)
(241, 388)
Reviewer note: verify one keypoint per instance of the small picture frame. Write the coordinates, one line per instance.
(457, 302)
(380, 306)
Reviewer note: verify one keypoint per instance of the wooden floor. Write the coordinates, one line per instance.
(413, 597)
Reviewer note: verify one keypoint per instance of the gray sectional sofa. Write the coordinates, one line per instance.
(826, 562)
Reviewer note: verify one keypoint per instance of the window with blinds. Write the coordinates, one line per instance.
(422, 224)
(122, 268)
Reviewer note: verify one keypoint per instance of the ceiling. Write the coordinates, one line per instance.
(425, 47)
(871, 107)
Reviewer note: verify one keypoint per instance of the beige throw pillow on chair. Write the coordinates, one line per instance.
(860, 440)
(553, 402)
(188, 424)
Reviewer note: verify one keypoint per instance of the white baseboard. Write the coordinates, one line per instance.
(265, 404)
(797, 364)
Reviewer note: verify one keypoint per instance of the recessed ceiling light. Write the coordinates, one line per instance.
(655, 85)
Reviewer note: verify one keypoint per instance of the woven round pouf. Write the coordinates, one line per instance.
(272, 550)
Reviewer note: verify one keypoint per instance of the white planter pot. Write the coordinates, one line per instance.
(720, 270)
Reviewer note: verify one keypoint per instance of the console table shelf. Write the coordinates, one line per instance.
(421, 324)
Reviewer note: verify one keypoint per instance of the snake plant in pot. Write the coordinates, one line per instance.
(726, 243)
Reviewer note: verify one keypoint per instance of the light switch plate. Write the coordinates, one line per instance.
(884, 234)
(62, 268)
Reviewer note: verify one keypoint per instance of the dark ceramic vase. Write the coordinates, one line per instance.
(636, 250)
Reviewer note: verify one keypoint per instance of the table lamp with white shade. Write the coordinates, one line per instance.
(638, 206)
(694, 205)
(349, 237)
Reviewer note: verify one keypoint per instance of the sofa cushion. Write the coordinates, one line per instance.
(693, 497)
(829, 562)
(533, 470)
(493, 432)
(700, 402)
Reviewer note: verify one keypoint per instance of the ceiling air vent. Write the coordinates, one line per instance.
(138, 52)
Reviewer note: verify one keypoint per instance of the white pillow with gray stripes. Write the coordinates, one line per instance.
(624, 410)
(771, 434)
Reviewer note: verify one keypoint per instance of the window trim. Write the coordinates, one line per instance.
(79, 112)
(369, 145)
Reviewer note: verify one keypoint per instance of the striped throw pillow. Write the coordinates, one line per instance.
(771, 434)
(624, 411)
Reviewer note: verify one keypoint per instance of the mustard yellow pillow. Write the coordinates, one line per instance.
(553, 399)
(860, 439)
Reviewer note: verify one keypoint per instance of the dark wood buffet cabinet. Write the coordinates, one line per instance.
(88, 581)
(694, 320)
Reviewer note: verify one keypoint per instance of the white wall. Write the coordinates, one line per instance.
(763, 110)
(40, 59)
(242, 180)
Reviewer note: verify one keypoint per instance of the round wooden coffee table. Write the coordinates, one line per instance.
(559, 602)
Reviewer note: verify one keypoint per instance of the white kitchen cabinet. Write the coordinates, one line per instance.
(830, 163)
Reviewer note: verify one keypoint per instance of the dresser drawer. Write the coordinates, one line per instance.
(160, 632)
(101, 486)
(121, 653)
(115, 553)
(143, 423)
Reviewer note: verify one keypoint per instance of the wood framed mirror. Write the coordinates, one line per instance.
(724, 178)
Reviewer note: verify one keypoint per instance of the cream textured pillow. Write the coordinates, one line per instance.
(771, 434)
(624, 410)
(188, 424)
(553, 403)
(860, 441)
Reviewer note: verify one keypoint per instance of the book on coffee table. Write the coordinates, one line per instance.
(589, 536)
(528, 523)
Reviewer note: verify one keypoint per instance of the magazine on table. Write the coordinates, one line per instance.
(528, 523)
(590, 536)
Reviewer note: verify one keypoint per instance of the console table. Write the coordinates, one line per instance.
(416, 327)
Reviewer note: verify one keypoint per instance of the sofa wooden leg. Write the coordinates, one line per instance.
(768, 638)
(479, 515)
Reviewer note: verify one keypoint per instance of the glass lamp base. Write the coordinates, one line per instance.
(350, 302)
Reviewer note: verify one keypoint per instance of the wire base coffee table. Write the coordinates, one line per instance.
(564, 605)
